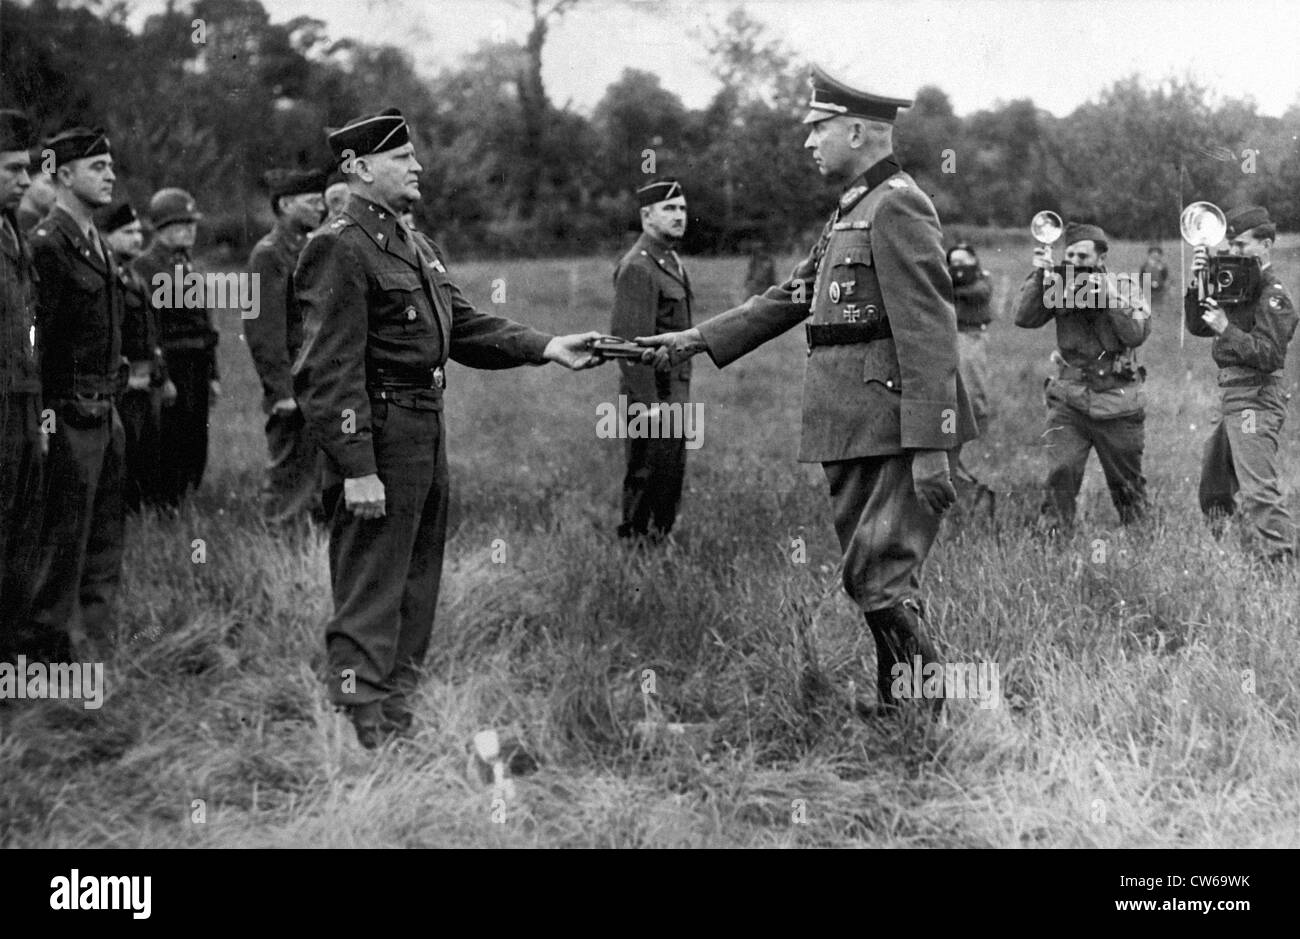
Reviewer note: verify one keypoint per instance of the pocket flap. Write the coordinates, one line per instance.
(398, 280)
(853, 254)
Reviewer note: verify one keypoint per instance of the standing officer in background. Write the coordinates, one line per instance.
(37, 200)
(1250, 342)
(189, 343)
(382, 318)
(292, 488)
(147, 386)
(652, 294)
(1097, 400)
(972, 292)
(22, 445)
(79, 306)
(883, 403)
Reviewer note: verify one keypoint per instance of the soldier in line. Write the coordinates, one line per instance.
(972, 293)
(292, 488)
(189, 343)
(38, 199)
(883, 403)
(22, 445)
(148, 388)
(652, 294)
(1154, 267)
(1097, 400)
(79, 305)
(382, 317)
(1250, 343)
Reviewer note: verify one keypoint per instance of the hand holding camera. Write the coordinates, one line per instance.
(1043, 258)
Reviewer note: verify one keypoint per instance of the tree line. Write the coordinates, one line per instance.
(208, 95)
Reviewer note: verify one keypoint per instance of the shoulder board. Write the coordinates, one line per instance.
(854, 226)
(897, 183)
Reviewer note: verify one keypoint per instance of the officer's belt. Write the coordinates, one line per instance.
(1240, 376)
(418, 380)
(846, 334)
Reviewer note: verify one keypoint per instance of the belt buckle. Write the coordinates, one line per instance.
(439, 378)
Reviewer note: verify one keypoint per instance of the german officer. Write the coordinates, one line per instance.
(292, 488)
(382, 317)
(652, 294)
(147, 388)
(21, 442)
(79, 306)
(882, 401)
(1250, 343)
(1097, 400)
(189, 342)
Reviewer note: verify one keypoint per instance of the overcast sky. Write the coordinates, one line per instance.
(1060, 53)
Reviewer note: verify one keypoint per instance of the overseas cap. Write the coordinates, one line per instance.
(292, 182)
(16, 131)
(661, 190)
(1245, 217)
(1081, 231)
(373, 133)
(171, 205)
(832, 97)
(78, 143)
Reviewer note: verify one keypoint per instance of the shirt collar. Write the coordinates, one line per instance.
(862, 184)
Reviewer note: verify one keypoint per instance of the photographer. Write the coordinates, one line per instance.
(1097, 399)
(971, 293)
(1251, 329)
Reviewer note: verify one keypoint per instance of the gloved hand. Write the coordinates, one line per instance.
(931, 480)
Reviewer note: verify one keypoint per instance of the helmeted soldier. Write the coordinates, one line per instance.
(188, 338)
(274, 337)
(147, 387)
(882, 400)
(79, 305)
(382, 317)
(652, 294)
(22, 446)
(1250, 343)
(1097, 400)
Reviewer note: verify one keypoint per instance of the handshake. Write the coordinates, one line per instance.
(662, 351)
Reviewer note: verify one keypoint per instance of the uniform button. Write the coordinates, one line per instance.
(410, 313)
(380, 236)
(889, 384)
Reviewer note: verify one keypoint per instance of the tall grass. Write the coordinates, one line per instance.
(1148, 676)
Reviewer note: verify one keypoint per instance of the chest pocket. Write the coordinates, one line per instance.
(84, 280)
(405, 309)
(852, 291)
(672, 306)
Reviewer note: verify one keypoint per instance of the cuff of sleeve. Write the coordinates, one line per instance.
(929, 425)
(1233, 337)
(356, 459)
(536, 347)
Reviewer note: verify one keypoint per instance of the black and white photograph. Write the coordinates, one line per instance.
(615, 424)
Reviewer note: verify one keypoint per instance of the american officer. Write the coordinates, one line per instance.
(1250, 343)
(22, 445)
(274, 337)
(883, 404)
(79, 307)
(652, 294)
(382, 317)
(1097, 399)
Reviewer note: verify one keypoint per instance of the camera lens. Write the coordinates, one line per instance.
(1224, 278)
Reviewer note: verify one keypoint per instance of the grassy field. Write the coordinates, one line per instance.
(1150, 689)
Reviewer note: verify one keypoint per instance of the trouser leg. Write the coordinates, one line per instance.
(1252, 423)
(292, 485)
(1120, 442)
(1068, 443)
(21, 474)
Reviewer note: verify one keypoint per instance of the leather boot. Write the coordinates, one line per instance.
(901, 638)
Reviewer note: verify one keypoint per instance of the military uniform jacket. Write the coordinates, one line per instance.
(139, 324)
(275, 336)
(1089, 339)
(183, 330)
(379, 309)
(972, 302)
(79, 305)
(880, 260)
(652, 295)
(1254, 344)
(19, 373)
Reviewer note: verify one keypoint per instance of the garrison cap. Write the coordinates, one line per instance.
(833, 98)
(1245, 217)
(372, 133)
(290, 182)
(120, 216)
(77, 143)
(172, 205)
(661, 190)
(1081, 231)
(15, 131)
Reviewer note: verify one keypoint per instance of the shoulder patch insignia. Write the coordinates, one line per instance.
(852, 226)
(898, 184)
